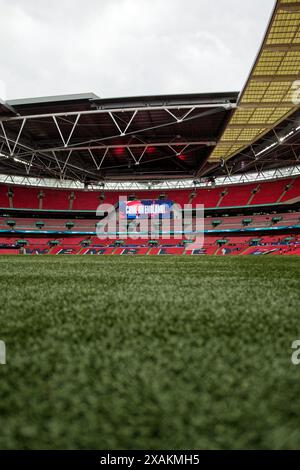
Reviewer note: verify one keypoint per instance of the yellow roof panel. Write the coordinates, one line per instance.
(269, 94)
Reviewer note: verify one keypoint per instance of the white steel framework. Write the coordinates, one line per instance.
(280, 173)
(57, 159)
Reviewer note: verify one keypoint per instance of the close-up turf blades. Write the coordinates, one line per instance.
(149, 352)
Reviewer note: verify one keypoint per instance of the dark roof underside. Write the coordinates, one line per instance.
(86, 138)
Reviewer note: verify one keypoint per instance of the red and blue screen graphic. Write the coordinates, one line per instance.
(145, 209)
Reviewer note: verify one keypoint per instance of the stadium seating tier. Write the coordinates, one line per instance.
(270, 192)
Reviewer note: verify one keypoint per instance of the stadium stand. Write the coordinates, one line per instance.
(37, 219)
(224, 222)
(237, 195)
(242, 195)
(235, 244)
(270, 192)
(292, 192)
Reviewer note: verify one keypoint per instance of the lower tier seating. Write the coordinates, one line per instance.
(284, 244)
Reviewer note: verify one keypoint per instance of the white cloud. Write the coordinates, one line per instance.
(128, 47)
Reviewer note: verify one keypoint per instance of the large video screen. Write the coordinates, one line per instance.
(145, 209)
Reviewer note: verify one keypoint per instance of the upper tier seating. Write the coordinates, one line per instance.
(237, 195)
(26, 198)
(293, 192)
(270, 192)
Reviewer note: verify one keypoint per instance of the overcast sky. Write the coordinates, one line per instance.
(128, 47)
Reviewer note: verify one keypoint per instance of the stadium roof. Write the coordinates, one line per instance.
(271, 92)
(89, 139)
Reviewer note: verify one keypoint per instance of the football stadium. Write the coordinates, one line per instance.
(150, 264)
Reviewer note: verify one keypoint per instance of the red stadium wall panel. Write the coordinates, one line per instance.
(8, 252)
(3, 196)
(56, 199)
(87, 200)
(25, 198)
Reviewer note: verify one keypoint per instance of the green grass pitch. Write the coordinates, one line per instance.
(149, 352)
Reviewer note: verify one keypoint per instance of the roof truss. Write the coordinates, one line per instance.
(62, 156)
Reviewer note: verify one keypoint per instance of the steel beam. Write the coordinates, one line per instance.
(121, 110)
